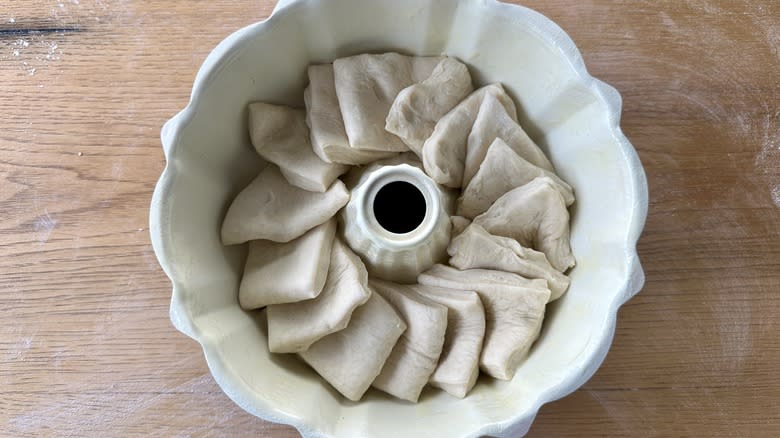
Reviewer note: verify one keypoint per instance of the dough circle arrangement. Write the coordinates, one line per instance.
(472, 220)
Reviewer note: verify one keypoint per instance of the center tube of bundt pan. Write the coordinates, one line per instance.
(397, 221)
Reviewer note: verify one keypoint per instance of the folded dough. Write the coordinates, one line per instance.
(458, 366)
(476, 248)
(352, 178)
(417, 352)
(323, 115)
(418, 107)
(459, 223)
(493, 121)
(535, 215)
(273, 209)
(279, 134)
(444, 153)
(278, 273)
(367, 85)
(352, 358)
(514, 310)
(294, 327)
(501, 171)
(407, 157)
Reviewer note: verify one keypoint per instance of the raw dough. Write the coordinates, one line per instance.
(418, 107)
(444, 153)
(352, 358)
(535, 215)
(458, 366)
(476, 248)
(493, 121)
(323, 115)
(352, 178)
(278, 273)
(459, 223)
(514, 310)
(279, 134)
(366, 86)
(390, 109)
(417, 352)
(271, 208)
(294, 327)
(501, 171)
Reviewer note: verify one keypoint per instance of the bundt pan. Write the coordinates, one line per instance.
(572, 116)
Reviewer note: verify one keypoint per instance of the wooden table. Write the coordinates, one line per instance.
(86, 347)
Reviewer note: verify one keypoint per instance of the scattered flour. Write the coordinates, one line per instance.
(32, 52)
(705, 5)
(761, 122)
(20, 348)
(44, 225)
(767, 161)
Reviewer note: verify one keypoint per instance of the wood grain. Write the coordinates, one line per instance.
(86, 347)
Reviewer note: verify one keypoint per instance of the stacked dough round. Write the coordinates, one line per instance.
(507, 257)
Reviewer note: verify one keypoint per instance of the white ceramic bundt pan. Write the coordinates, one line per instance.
(574, 117)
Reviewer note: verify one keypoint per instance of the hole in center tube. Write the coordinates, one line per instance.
(399, 207)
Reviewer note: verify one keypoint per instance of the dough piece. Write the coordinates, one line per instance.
(418, 107)
(280, 135)
(407, 157)
(352, 177)
(278, 273)
(444, 153)
(352, 358)
(294, 327)
(273, 209)
(323, 115)
(417, 352)
(493, 121)
(366, 86)
(459, 223)
(458, 366)
(476, 248)
(501, 171)
(514, 310)
(535, 215)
